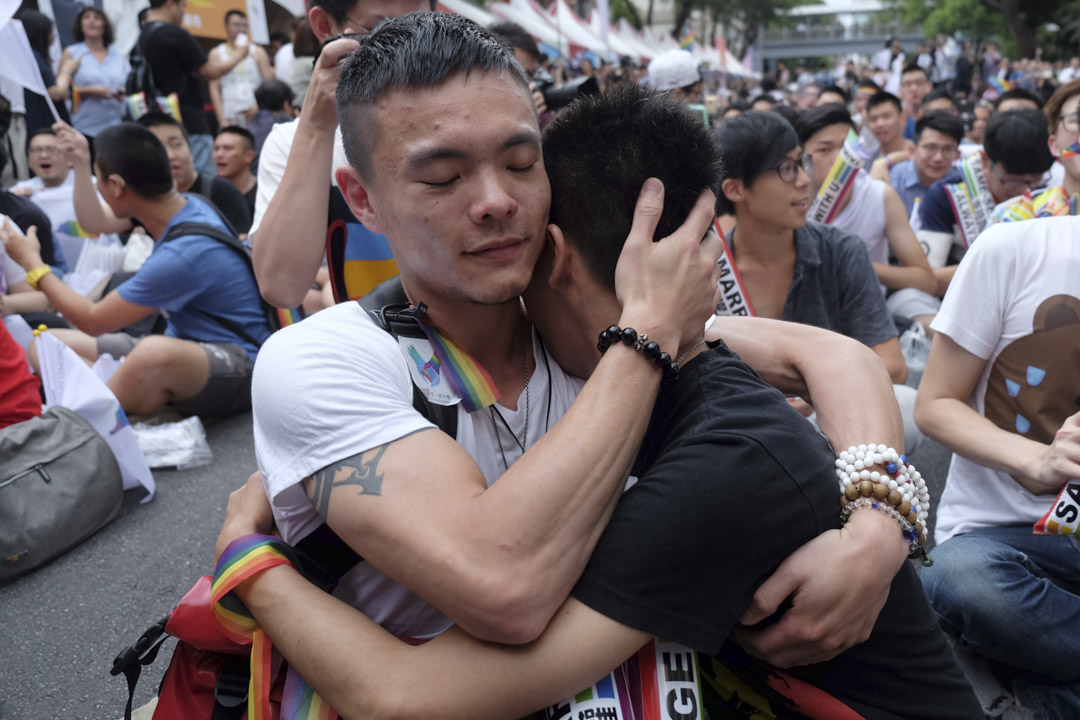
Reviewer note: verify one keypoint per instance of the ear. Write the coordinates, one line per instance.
(734, 190)
(321, 24)
(355, 191)
(911, 151)
(249, 155)
(560, 256)
(1052, 143)
(985, 160)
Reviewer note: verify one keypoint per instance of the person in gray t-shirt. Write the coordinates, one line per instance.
(795, 270)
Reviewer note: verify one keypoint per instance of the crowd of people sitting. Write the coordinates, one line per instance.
(896, 265)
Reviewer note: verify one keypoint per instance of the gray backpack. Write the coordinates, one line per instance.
(59, 484)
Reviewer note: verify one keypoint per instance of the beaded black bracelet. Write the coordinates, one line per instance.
(642, 344)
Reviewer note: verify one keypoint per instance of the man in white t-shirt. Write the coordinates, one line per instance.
(337, 437)
(1000, 390)
(289, 249)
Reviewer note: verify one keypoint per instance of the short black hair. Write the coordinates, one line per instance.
(943, 122)
(76, 27)
(869, 85)
(3, 157)
(158, 119)
(752, 144)
(143, 13)
(230, 13)
(280, 37)
(157, 4)
(1020, 94)
(835, 89)
(273, 94)
(243, 132)
(785, 111)
(1017, 140)
(418, 50)
(815, 119)
(915, 67)
(737, 105)
(880, 98)
(598, 152)
(134, 153)
(515, 36)
(40, 131)
(938, 94)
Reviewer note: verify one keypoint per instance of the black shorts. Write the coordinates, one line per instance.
(228, 386)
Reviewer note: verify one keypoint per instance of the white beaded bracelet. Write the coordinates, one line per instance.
(900, 491)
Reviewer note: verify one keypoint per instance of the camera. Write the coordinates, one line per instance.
(556, 98)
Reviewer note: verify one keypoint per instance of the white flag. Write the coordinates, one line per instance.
(19, 64)
(68, 381)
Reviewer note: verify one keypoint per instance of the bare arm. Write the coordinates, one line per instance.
(23, 299)
(216, 66)
(889, 352)
(112, 313)
(942, 412)
(262, 60)
(943, 276)
(214, 86)
(914, 270)
(499, 561)
(93, 215)
(290, 239)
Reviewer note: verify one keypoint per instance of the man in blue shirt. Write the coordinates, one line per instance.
(937, 139)
(202, 365)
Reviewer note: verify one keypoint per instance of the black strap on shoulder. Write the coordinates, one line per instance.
(234, 244)
(389, 307)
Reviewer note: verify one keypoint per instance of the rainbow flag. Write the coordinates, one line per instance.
(1070, 151)
(467, 377)
(74, 229)
(687, 41)
(289, 316)
(1001, 84)
(76, 97)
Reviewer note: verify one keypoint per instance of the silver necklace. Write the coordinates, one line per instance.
(493, 412)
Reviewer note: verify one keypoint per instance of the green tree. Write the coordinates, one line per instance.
(1019, 19)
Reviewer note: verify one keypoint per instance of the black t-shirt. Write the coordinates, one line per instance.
(174, 55)
(23, 214)
(227, 198)
(249, 198)
(731, 482)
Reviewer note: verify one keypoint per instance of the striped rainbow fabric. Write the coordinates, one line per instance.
(466, 376)
(246, 557)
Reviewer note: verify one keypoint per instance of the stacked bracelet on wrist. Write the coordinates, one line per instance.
(899, 491)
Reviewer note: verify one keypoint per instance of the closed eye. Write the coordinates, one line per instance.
(446, 183)
(527, 168)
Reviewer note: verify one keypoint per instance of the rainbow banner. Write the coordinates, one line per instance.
(1051, 202)
(1063, 517)
(289, 316)
(244, 558)
(841, 177)
(139, 104)
(1000, 84)
(971, 200)
(466, 376)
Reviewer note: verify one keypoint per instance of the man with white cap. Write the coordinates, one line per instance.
(676, 71)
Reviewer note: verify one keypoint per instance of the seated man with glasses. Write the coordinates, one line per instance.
(937, 143)
(1063, 120)
(1013, 160)
(791, 269)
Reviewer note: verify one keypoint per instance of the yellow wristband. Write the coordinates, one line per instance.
(34, 276)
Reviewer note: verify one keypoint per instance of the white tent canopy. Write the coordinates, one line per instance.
(477, 14)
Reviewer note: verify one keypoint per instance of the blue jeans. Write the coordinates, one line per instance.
(202, 152)
(1014, 597)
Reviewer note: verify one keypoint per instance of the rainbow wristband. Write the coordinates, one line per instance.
(244, 558)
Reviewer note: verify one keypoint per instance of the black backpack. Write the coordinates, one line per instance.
(270, 313)
(141, 77)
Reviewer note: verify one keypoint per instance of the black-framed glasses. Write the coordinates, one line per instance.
(1071, 121)
(1014, 186)
(788, 168)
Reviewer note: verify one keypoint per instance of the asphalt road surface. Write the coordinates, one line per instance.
(63, 625)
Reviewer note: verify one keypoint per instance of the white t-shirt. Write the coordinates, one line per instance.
(272, 159)
(283, 60)
(336, 385)
(1014, 302)
(58, 204)
(238, 85)
(864, 216)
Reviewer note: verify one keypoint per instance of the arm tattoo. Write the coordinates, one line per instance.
(353, 470)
